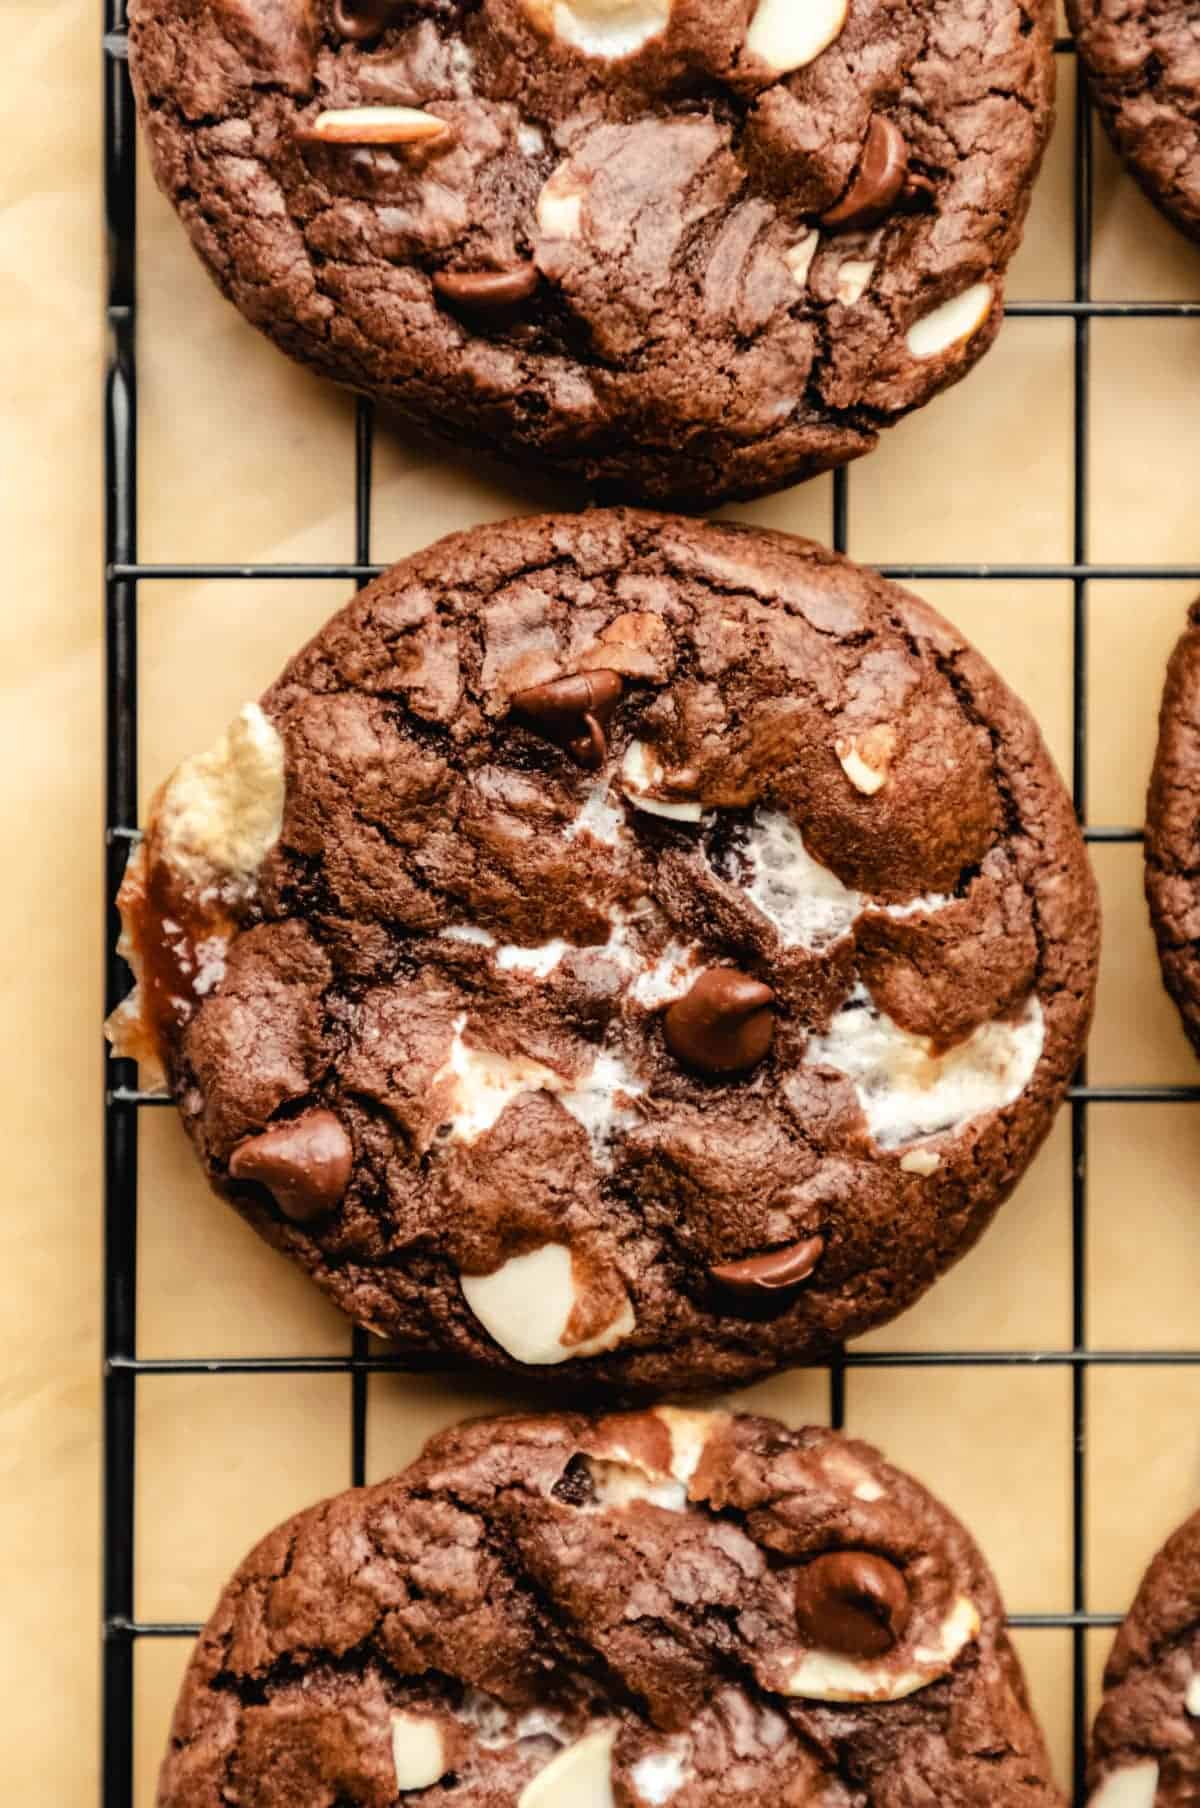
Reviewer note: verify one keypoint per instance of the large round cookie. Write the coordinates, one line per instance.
(1145, 1751)
(1173, 829)
(663, 1607)
(696, 248)
(618, 941)
(1143, 63)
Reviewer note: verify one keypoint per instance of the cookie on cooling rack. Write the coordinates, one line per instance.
(695, 248)
(1145, 1744)
(1172, 849)
(1143, 70)
(661, 1607)
(620, 942)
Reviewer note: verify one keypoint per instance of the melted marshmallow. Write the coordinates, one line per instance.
(906, 1089)
(484, 1083)
(221, 811)
(598, 816)
(806, 903)
(661, 1774)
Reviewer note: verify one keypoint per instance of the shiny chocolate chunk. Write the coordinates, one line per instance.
(774, 1272)
(360, 20)
(724, 1024)
(485, 291)
(880, 177)
(852, 1602)
(304, 1163)
(573, 712)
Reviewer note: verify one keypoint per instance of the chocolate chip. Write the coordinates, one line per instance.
(359, 20)
(485, 291)
(773, 1272)
(560, 708)
(880, 177)
(852, 1602)
(304, 1164)
(575, 1487)
(919, 192)
(724, 1024)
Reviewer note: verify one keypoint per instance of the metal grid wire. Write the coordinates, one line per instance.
(123, 1101)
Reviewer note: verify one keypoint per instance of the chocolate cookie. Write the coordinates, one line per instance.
(618, 941)
(663, 1607)
(694, 248)
(1173, 829)
(1145, 1752)
(1143, 63)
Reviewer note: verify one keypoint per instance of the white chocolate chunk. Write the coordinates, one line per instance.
(864, 777)
(868, 1491)
(828, 1676)
(418, 1751)
(601, 28)
(1134, 1787)
(641, 774)
(907, 1088)
(921, 1161)
(787, 34)
(377, 125)
(853, 278)
(560, 205)
(799, 257)
(526, 1305)
(580, 1776)
(1191, 1700)
(220, 812)
(690, 1432)
(950, 323)
(661, 1774)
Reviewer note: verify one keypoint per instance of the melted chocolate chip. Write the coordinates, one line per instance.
(574, 1486)
(304, 1164)
(773, 1272)
(852, 1602)
(880, 177)
(724, 1024)
(485, 291)
(564, 706)
(359, 20)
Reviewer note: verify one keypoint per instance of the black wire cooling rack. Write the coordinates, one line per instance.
(124, 573)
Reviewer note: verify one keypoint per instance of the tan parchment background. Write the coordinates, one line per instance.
(246, 459)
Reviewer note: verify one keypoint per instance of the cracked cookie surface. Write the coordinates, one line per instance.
(691, 248)
(1145, 1751)
(652, 1608)
(1143, 66)
(618, 947)
(1172, 849)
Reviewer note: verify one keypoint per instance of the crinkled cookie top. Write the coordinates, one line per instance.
(1172, 850)
(618, 942)
(697, 248)
(655, 1608)
(1145, 1744)
(1143, 64)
